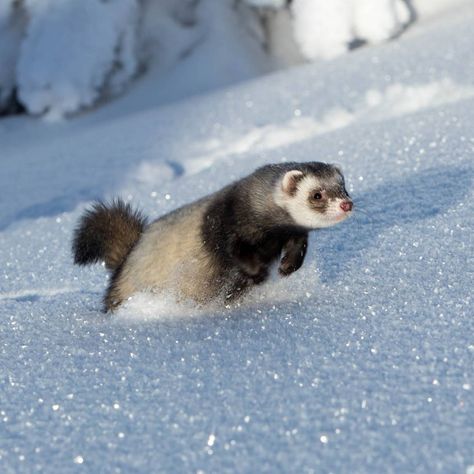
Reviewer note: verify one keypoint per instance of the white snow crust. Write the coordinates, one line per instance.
(362, 361)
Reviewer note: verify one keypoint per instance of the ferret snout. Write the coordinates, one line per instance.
(346, 206)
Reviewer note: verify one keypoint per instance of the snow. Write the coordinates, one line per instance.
(266, 3)
(11, 30)
(114, 42)
(326, 29)
(362, 361)
(99, 35)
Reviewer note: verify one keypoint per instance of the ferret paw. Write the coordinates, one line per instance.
(287, 267)
(260, 277)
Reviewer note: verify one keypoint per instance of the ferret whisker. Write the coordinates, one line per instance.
(370, 215)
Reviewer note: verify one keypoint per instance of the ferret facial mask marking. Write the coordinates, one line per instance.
(313, 202)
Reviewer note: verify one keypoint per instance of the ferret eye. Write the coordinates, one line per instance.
(317, 196)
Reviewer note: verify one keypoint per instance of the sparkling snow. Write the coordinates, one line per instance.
(362, 361)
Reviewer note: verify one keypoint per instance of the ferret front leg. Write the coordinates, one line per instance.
(250, 263)
(242, 283)
(293, 254)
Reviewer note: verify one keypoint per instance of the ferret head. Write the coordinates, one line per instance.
(314, 195)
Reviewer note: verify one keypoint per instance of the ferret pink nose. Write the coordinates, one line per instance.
(346, 206)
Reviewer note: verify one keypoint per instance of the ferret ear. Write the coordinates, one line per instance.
(337, 166)
(290, 180)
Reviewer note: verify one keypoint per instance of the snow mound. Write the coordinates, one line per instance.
(325, 29)
(61, 56)
(96, 49)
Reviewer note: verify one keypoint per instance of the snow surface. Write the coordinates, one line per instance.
(362, 361)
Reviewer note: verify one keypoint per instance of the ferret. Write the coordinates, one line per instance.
(218, 247)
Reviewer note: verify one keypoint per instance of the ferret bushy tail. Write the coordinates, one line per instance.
(107, 232)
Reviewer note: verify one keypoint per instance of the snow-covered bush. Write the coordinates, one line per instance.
(325, 29)
(60, 56)
(73, 50)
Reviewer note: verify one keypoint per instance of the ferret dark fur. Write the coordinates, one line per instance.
(219, 246)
